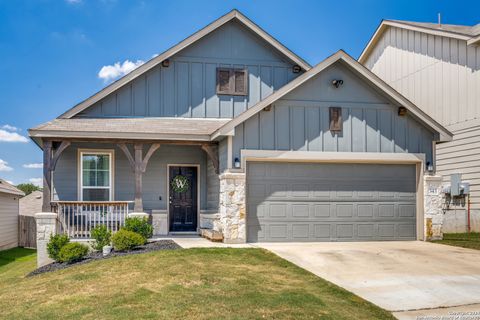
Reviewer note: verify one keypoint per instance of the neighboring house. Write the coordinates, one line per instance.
(437, 67)
(9, 196)
(231, 131)
(31, 204)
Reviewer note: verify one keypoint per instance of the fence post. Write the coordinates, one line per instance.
(46, 226)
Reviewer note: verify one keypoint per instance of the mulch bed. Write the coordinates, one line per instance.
(96, 255)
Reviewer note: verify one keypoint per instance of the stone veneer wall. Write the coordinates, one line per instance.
(232, 208)
(433, 212)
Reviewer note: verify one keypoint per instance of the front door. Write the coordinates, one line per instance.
(183, 198)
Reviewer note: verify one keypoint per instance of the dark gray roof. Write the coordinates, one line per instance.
(135, 128)
(469, 31)
(6, 187)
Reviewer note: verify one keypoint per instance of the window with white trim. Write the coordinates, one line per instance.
(96, 175)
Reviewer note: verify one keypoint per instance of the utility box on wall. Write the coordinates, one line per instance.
(457, 188)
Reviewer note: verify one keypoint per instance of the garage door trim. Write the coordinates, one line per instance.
(348, 157)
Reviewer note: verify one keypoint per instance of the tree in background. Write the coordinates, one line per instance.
(28, 188)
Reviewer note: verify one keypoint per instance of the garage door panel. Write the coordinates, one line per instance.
(406, 231)
(278, 231)
(300, 210)
(365, 210)
(366, 231)
(300, 231)
(322, 210)
(277, 210)
(322, 231)
(386, 230)
(307, 202)
(345, 231)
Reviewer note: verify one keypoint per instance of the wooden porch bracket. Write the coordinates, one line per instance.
(64, 145)
(212, 152)
(49, 165)
(139, 166)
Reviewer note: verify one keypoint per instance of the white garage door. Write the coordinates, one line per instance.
(289, 202)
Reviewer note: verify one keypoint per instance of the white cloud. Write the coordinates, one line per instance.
(8, 134)
(4, 166)
(74, 1)
(10, 128)
(36, 181)
(33, 165)
(118, 69)
(154, 55)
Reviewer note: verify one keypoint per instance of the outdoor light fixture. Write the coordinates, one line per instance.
(237, 163)
(166, 63)
(296, 68)
(429, 167)
(337, 83)
(402, 111)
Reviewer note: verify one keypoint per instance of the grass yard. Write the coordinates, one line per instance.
(178, 284)
(464, 240)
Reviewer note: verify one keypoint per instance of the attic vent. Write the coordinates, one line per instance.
(232, 81)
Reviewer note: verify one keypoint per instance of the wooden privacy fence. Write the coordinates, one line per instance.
(27, 232)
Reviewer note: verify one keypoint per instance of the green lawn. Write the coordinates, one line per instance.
(464, 240)
(179, 284)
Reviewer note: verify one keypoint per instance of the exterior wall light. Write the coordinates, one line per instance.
(429, 166)
(402, 111)
(296, 69)
(337, 83)
(237, 163)
(166, 63)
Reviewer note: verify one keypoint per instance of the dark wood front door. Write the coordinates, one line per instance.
(183, 198)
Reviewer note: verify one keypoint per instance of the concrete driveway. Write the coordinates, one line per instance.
(397, 276)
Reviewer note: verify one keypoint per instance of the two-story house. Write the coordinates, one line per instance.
(437, 67)
(231, 132)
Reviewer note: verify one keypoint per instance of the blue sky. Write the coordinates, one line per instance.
(51, 52)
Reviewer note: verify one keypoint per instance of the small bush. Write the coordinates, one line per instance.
(126, 240)
(140, 226)
(102, 237)
(56, 243)
(72, 252)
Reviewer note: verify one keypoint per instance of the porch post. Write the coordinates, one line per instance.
(139, 166)
(47, 176)
(138, 206)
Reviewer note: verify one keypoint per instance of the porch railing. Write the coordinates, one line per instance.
(78, 218)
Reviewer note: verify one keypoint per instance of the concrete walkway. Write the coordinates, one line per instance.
(397, 276)
(192, 241)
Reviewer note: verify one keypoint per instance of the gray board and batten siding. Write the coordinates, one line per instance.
(300, 121)
(187, 88)
(330, 202)
(65, 178)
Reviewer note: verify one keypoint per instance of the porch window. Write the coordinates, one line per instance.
(96, 176)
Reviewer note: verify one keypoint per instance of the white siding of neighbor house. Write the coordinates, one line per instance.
(8, 221)
(440, 75)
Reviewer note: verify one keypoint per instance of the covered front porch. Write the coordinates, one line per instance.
(88, 182)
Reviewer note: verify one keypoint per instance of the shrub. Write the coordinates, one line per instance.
(56, 243)
(102, 237)
(72, 252)
(126, 240)
(140, 226)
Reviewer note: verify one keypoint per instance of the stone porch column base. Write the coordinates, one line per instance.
(232, 207)
(46, 227)
(433, 212)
